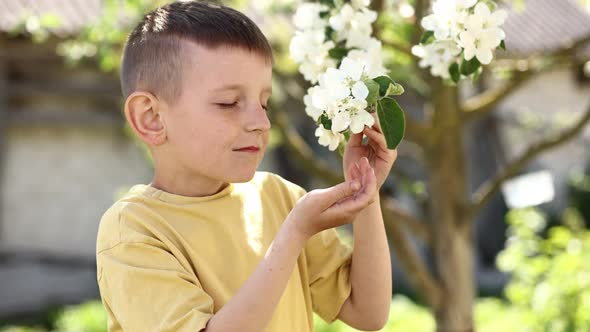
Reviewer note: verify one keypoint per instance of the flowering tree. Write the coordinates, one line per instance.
(339, 47)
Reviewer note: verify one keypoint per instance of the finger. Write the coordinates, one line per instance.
(356, 139)
(377, 137)
(353, 205)
(369, 185)
(377, 126)
(331, 195)
(353, 171)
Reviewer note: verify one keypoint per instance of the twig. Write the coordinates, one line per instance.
(490, 187)
(420, 8)
(485, 102)
(397, 46)
(416, 226)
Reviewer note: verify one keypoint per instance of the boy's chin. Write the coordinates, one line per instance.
(241, 177)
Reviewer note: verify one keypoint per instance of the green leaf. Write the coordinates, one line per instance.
(328, 33)
(373, 91)
(392, 120)
(388, 87)
(503, 45)
(469, 67)
(427, 37)
(454, 71)
(338, 53)
(324, 14)
(327, 123)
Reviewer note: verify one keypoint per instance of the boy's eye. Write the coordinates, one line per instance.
(225, 105)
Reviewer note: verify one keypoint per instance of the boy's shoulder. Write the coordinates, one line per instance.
(275, 184)
(110, 227)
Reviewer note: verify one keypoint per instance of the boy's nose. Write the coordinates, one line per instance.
(258, 120)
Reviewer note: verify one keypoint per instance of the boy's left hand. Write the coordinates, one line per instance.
(380, 158)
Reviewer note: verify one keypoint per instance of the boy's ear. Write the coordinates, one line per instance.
(142, 112)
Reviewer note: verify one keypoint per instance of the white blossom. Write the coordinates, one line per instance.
(328, 138)
(482, 34)
(310, 49)
(307, 16)
(354, 116)
(447, 18)
(311, 110)
(338, 93)
(372, 57)
(352, 25)
(439, 55)
(460, 25)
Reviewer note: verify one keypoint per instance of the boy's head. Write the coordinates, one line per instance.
(196, 77)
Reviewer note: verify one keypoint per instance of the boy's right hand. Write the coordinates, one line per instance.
(322, 209)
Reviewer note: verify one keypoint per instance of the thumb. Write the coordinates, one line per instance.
(340, 191)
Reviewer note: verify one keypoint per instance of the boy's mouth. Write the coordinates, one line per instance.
(249, 149)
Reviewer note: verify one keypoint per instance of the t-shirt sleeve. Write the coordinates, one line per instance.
(147, 289)
(328, 260)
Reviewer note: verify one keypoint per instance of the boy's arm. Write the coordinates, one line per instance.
(253, 305)
(367, 307)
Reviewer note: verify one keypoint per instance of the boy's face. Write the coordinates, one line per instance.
(217, 130)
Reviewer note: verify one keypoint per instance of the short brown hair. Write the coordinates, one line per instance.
(153, 56)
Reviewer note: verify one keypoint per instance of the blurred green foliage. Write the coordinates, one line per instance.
(550, 284)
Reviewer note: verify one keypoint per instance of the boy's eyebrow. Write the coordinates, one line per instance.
(238, 87)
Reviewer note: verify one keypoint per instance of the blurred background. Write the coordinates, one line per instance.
(520, 161)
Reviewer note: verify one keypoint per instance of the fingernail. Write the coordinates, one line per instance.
(355, 185)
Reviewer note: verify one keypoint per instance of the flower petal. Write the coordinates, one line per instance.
(340, 122)
(360, 90)
(482, 10)
(484, 56)
(352, 68)
(360, 120)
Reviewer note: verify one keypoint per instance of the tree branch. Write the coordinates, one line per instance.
(418, 274)
(486, 101)
(490, 187)
(413, 224)
(420, 8)
(417, 131)
(397, 46)
(302, 152)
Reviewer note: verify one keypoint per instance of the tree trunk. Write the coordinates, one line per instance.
(452, 244)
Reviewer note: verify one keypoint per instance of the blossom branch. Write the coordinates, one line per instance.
(489, 188)
(418, 273)
(485, 102)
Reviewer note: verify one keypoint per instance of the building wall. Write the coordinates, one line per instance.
(58, 181)
(543, 107)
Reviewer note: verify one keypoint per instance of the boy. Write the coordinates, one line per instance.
(211, 244)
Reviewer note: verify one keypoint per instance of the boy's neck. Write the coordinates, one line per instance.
(187, 186)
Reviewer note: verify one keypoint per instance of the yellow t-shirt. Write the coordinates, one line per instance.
(168, 263)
